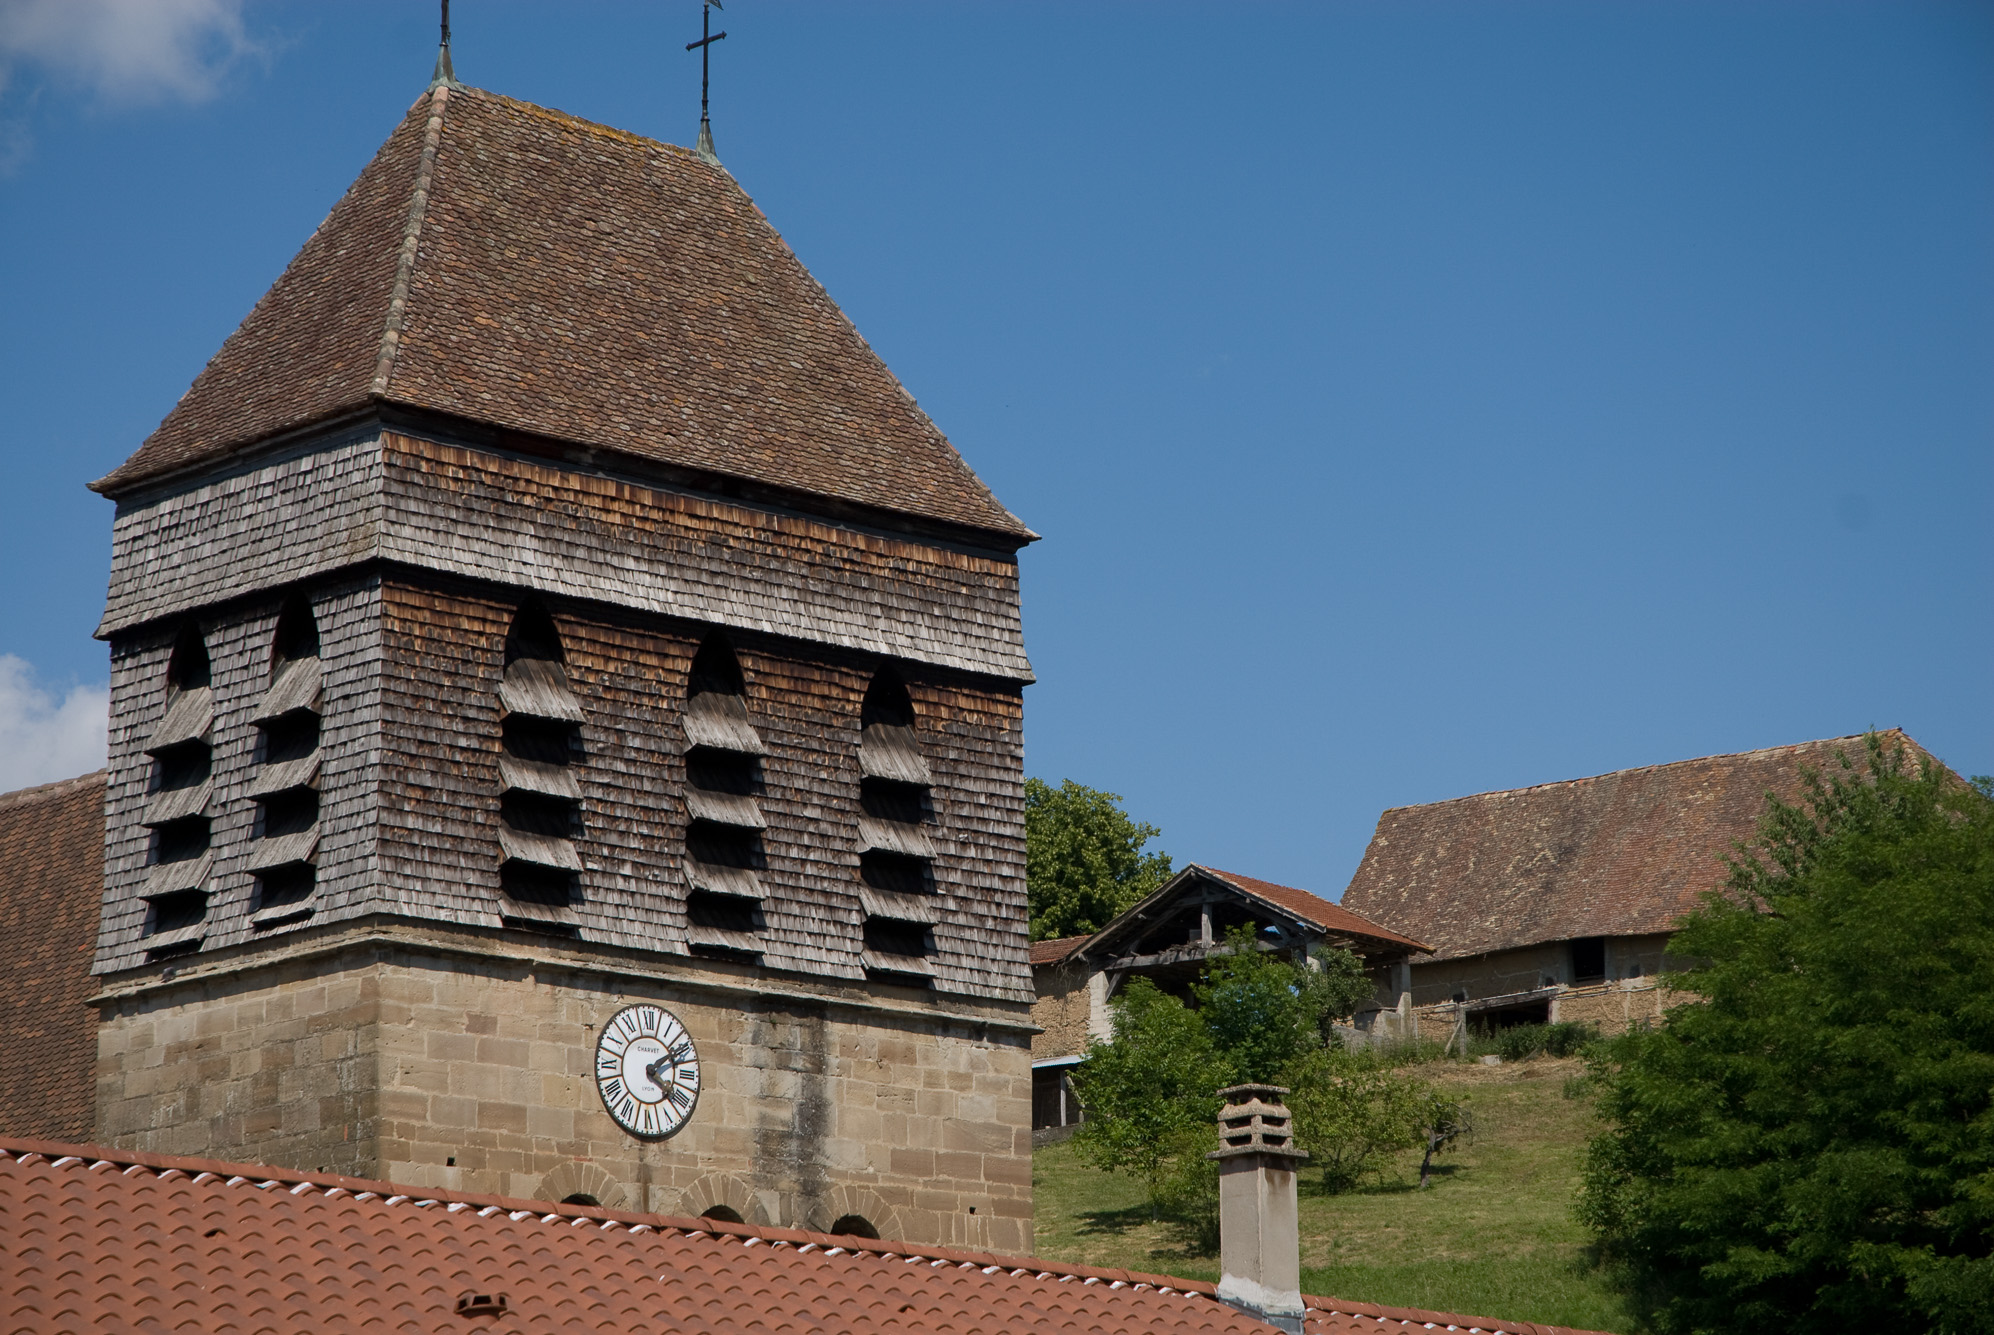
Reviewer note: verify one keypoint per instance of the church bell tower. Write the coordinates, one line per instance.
(566, 730)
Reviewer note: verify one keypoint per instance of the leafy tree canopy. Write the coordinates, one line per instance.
(1809, 1142)
(1152, 1092)
(1263, 1011)
(1084, 859)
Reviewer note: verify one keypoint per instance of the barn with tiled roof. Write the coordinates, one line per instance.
(1555, 902)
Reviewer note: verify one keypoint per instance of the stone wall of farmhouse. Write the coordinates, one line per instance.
(1061, 1011)
(1525, 970)
(431, 1067)
(1630, 994)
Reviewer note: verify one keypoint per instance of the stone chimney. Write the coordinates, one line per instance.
(1260, 1241)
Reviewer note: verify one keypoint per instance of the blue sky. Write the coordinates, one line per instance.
(1416, 399)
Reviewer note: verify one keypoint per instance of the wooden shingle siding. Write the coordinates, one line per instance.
(584, 535)
(302, 513)
(239, 652)
(562, 532)
(440, 764)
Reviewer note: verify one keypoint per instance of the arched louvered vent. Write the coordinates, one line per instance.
(723, 840)
(540, 797)
(283, 852)
(182, 751)
(896, 853)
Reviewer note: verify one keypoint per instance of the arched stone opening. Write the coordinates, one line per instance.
(578, 1179)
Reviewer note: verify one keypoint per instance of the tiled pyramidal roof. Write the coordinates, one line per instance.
(1622, 854)
(100, 1239)
(525, 269)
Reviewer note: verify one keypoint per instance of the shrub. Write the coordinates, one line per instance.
(1351, 1114)
(1151, 1092)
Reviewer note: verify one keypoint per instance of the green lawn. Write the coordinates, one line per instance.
(1493, 1236)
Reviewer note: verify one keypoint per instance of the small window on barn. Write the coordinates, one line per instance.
(854, 1226)
(724, 823)
(540, 796)
(896, 871)
(1589, 959)
(177, 811)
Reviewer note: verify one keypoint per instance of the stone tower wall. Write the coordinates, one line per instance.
(445, 1064)
(402, 1024)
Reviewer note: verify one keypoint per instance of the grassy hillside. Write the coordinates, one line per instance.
(1492, 1236)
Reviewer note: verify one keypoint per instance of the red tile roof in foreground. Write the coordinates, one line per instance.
(1330, 917)
(522, 267)
(100, 1239)
(1622, 854)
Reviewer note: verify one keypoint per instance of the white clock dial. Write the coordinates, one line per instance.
(647, 1071)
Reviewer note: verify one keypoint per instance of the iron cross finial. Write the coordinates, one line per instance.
(705, 48)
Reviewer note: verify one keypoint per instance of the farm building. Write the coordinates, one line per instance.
(1166, 938)
(1555, 902)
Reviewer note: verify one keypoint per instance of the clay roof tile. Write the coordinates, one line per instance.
(227, 1245)
(1621, 854)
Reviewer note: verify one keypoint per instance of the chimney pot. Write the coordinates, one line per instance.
(1260, 1246)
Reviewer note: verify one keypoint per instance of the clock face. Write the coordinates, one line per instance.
(647, 1071)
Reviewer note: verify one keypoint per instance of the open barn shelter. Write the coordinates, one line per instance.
(1167, 938)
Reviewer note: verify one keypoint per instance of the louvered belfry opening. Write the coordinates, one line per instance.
(896, 852)
(283, 849)
(540, 795)
(176, 812)
(724, 824)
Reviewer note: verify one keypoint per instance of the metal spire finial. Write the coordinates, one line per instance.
(704, 46)
(444, 75)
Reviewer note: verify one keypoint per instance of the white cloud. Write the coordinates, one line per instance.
(134, 51)
(43, 739)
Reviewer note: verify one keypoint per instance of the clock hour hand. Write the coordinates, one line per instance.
(652, 1072)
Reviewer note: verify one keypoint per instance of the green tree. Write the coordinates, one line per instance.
(1809, 1143)
(1151, 1092)
(1084, 859)
(1264, 1011)
(1352, 1112)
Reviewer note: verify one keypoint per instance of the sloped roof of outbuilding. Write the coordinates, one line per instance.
(1621, 854)
(529, 270)
(1055, 950)
(101, 1239)
(1312, 909)
(51, 886)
